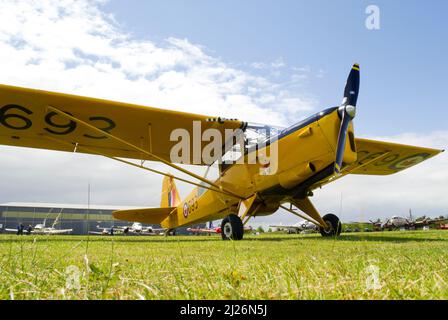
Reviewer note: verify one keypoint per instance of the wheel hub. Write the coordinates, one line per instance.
(228, 230)
(329, 227)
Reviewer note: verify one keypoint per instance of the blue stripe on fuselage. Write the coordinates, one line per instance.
(295, 127)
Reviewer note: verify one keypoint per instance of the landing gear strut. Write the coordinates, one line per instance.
(334, 226)
(232, 228)
(170, 232)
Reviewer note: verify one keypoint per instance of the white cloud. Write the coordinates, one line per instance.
(74, 47)
(279, 63)
(259, 65)
(276, 64)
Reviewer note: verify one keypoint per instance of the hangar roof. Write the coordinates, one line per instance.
(65, 205)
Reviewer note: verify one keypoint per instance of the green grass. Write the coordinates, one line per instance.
(411, 265)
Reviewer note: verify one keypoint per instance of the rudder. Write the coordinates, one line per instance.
(170, 195)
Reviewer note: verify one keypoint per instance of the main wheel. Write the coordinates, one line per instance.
(232, 228)
(334, 226)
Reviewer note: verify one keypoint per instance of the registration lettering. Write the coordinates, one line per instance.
(17, 117)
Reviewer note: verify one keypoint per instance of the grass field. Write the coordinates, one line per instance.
(383, 265)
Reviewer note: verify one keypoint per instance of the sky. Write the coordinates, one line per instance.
(264, 61)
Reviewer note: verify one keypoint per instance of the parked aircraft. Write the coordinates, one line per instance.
(135, 229)
(38, 229)
(399, 222)
(298, 227)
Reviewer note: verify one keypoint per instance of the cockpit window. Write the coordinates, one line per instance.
(256, 134)
(249, 138)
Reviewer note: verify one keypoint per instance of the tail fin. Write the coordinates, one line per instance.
(170, 195)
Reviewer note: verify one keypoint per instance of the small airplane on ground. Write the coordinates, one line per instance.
(395, 222)
(106, 231)
(304, 225)
(135, 229)
(376, 225)
(261, 167)
(41, 228)
(399, 222)
(38, 229)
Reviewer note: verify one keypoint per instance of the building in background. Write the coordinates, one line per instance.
(80, 218)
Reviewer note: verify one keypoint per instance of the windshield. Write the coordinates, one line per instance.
(256, 133)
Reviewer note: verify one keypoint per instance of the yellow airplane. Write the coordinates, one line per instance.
(261, 169)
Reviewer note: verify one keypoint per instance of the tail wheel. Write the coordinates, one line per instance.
(232, 228)
(334, 226)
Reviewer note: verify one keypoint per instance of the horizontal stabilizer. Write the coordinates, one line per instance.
(145, 215)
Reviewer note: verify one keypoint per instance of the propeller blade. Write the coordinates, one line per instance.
(351, 90)
(341, 142)
(347, 112)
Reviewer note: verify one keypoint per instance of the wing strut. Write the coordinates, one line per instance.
(306, 206)
(141, 166)
(299, 215)
(85, 124)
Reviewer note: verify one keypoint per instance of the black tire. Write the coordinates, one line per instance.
(335, 226)
(232, 228)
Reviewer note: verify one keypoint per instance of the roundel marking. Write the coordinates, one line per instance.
(409, 161)
(186, 210)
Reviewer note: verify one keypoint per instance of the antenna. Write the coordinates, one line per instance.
(88, 207)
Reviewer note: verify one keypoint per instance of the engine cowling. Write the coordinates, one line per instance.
(290, 178)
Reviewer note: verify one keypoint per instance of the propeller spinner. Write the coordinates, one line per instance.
(347, 111)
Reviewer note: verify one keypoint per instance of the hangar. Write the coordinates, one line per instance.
(80, 218)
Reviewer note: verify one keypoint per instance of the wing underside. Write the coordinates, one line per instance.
(287, 227)
(27, 121)
(384, 158)
(58, 231)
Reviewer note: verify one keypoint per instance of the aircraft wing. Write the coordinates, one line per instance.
(97, 232)
(26, 121)
(391, 157)
(145, 233)
(429, 221)
(57, 231)
(288, 227)
(152, 230)
(202, 230)
(423, 222)
(10, 230)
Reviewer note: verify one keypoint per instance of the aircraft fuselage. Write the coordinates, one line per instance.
(305, 156)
